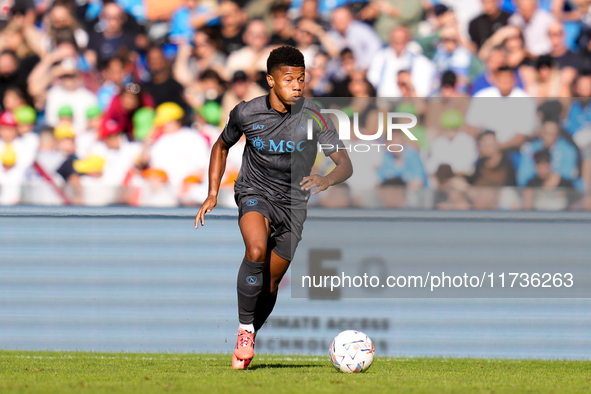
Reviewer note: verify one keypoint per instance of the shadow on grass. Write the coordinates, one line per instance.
(287, 366)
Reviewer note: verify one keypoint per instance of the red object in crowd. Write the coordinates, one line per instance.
(7, 119)
(118, 116)
(110, 127)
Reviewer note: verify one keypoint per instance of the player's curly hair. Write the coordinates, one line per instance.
(284, 56)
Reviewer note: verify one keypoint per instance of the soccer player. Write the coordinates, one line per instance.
(273, 185)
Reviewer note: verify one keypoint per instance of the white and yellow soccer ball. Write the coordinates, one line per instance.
(351, 351)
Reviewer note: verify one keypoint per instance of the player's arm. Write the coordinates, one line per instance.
(217, 166)
(342, 172)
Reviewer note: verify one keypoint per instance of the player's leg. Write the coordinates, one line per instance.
(274, 270)
(255, 232)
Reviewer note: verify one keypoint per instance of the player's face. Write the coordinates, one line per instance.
(288, 84)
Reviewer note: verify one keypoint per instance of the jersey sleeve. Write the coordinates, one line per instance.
(328, 137)
(233, 129)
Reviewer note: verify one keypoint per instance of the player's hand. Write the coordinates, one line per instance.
(312, 181)
(207, 206)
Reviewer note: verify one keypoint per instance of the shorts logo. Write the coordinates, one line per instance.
(252, 202)
(251, 280)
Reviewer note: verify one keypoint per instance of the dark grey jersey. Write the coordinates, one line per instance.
(278, 153)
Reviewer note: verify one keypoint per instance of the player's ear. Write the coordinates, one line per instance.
(270, 80)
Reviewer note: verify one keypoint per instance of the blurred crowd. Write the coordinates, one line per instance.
(119, 101)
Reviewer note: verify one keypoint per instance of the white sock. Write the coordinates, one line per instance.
(247, 327)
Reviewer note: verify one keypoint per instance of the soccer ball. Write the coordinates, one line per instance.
(351, 351)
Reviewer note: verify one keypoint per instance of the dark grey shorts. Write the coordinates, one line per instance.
(286, 224)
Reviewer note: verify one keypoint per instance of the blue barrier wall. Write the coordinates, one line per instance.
(124, 279)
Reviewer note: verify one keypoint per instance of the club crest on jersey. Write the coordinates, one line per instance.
(258, 126)
(251, 280)
(258, 144)
(252, 202)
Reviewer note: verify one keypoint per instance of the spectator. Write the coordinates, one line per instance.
(389, 14)
(449, 85)
(504, 85)
(49, 159)
(318, 85)
(16, 156)
(386, 64)
(282, 26)
(162, 86)
(453, 147)
(209, 87)
(143, 123)
(392, 194)
(512, 120)
(252, 58)
(452, 191)
(575, 16)
(359, 86)
(242, 88)
(493, 167)
(496, 59)
(534, 22)
(309, 10)
(22, 39)
(544, 176)
(124, 106)
(548, 82)
(10, 73)
(192, 15)
(14, 97)
(108, 166)
(65, 114)
(451, 55)
(219, 54)
(586, 168)
(113, 40)
(347, 32)
(60, 21)
(205, 55)
(69, 91)
(306, 36)
(486, 24)
(113, 73)
(86, 139)
(564, 156)
(407, 89)
(66, 145)
(26, 118)
(404, 164)
(180, 152)
(578, 116)
(341, 77)
(231, 29)
(48, 71)
(568, 62)
(547, 180)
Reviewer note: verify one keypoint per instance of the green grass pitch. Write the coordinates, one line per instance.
(81, 372)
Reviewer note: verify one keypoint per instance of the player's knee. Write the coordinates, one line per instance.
(256, 252)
